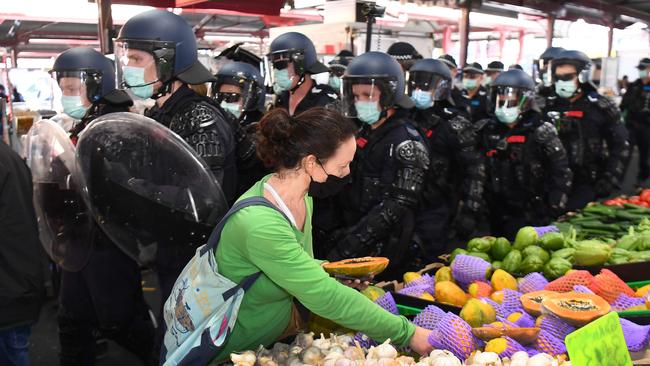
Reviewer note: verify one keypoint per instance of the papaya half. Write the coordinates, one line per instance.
(532, 301)
(357, 267)
(576, 308)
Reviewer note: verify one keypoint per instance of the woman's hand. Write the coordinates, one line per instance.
(420, 341)
(356, 284)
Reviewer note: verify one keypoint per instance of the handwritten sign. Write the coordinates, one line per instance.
(599, 343)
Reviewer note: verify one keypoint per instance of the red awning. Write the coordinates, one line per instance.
(266, 7)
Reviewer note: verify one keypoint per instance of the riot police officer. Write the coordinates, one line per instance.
(456, 92)
(543, 67)
(404, 53)
(636, 108)
(105, 296)
(378, 207)
(157, 58)
(528, 172)
(81, 74)
(337, 68)
(474, 94)
(590, 127)
(492, 71)
(455, 182)
(293, 59)
(239, 90)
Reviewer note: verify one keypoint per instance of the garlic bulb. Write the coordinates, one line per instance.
(294, 361)
(405, 360)
(542, 359)
(486, 359)
(355, 353)
(295, 351)
(424, 361)
(312, 356)
(519, 358)
(384, 350)
(335, 348)
(322, 343)
(345, 362)
(244, 359)
(331, 358)
(387, 361)
(443, 358)
(344, 341)
(304, 340)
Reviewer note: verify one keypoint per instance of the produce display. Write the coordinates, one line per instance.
(603, 221)
(643, 200)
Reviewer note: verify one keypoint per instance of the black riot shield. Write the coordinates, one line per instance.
(146, 187)
(64, 220)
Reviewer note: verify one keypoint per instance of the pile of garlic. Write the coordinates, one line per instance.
(341, 350)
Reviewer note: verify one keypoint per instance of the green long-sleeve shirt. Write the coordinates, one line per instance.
(259, 238)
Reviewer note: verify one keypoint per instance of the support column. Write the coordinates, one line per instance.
(610, 41)
(105, 26)
(521, 46)
(14, 57)
(502, 44)
(550, 30)
(463, 32)
(446, 40)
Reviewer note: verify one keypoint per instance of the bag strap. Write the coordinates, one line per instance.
(214, 238)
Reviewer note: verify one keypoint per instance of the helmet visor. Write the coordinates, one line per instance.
(427, 81)
(507, 97)
(233, 89)
(84, 84)
(380, 90)
(142, 63)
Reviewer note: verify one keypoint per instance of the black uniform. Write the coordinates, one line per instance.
(636, 108)
(456, 174)
(105, 297)
(478, 104)
(596, 142)
(207, 129)
(378, 207)
(528, 172)
(320, 95)
(250, 168)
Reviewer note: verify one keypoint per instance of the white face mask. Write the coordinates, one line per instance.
(565, 89)
(507, 115)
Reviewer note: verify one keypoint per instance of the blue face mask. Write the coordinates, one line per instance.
(335, 82)
(470, 84)
(233, 108)
(367, 112)
(422, 99)
(565, 89)
(134, 77)
(643, 73)
(281, 81)
(73, 107)
(487, 81)
(507, 115)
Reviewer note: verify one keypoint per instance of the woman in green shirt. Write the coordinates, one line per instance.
(310, 152)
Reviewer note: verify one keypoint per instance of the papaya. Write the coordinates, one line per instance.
(502, 280)
(357, 267)
(497, 296)
(444, 274)
(576, 308)
(427, 296)
(476, 313)
(479, 289)
(642, 291)
(373, 292)
(532, 301)
(449, 293)
(411, 276)
(521, 335)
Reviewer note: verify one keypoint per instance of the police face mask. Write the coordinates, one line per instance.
(335, 82)
(281, 80)
(643, 73)
(422, 99)
(73, 107)
(487, 81)
(470, 84)
(331, 186)
(507, 115)
(367, 112)
(565, 89)
(232, 108)
(135, 76)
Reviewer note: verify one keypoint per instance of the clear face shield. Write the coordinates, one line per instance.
(140, 65)
(436, 85)
(286, 67)
(508, 102)
(234, 94)
(79, 90)
(367, 98)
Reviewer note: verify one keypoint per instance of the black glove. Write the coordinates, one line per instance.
(604, 187)
(464, 223)
(556, 204)
(344, 246)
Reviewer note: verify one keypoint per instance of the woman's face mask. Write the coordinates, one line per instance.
(232, 108)
(331, 186)
(134, 78)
